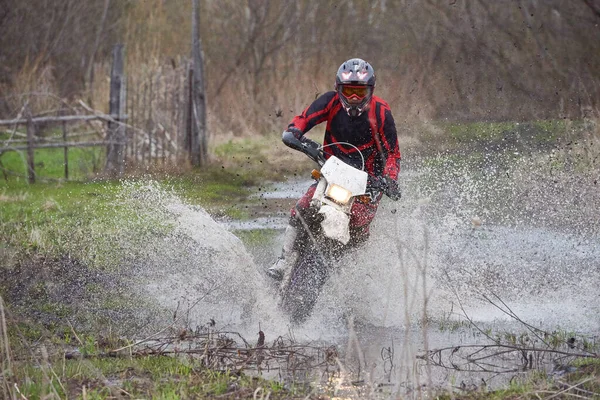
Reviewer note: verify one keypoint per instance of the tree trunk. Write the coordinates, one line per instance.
(199, 153)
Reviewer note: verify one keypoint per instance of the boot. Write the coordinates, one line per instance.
(288, 257)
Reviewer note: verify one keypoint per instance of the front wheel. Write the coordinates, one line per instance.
(303, 287)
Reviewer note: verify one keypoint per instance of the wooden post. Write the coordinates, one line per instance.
(134, 106)
(189, 112)
(166, 107)
(30, 147)
(4, 173)
(66, 150)
(199, 153)
(174, 147)
(114, 151)
(149, 121)
(144, 121)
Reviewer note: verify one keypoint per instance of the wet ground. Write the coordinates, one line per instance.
(466, 260)
(481, 272)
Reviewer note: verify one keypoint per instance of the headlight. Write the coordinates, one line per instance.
(339, 194)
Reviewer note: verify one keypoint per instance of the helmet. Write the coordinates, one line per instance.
(355, 82)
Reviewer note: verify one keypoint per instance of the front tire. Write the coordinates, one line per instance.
(301, 291)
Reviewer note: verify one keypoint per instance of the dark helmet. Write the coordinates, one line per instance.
(355, 82)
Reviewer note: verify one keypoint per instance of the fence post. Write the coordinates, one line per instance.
(199, 140)
(122, 129)
(30, 146)
(189, 112)
(66, 150)
(114, 151)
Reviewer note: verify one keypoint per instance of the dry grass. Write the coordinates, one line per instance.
(5, 355)
(35, 85)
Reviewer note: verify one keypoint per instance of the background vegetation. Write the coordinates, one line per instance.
(266, 59)
(476, 69)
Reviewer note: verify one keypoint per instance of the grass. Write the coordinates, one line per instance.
(539, 131)
(583, 383)
(43, 215)
(488, 137)
(256, 237)
(97, 224)
(39, 216)
(88, 221)
(157, 377)
(84, 163)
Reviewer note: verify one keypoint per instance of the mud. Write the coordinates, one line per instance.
(60, 294)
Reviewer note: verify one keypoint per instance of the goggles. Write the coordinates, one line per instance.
(358, 91)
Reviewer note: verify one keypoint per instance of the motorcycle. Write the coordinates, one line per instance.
(324, 231)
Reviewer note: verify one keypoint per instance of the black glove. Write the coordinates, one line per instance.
(376, 182)
(296, 132)
(392, 190)
(312, 149)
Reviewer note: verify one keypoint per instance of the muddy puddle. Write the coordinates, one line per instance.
(485, 263)
(475, 277)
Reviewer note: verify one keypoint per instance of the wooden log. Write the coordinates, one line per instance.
(63, 118)
(199, 153)
(51, 139)
(61, 144)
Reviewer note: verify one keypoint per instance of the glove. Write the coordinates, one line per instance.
(312, 149)
(376, 182)
(392, 190)
(296, 132)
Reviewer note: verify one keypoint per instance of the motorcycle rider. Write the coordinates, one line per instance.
(355, 117)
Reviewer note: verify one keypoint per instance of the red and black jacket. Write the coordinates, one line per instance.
(373, 133)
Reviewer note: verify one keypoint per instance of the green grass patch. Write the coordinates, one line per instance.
(479, 130)
(262, 158)
(83, 163)
(531, 134)
(256, 237)
(48, 217)
(211, 186)
(43, 215)
(156, 377)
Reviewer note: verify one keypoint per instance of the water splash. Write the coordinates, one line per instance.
(192, 267)
(465, 230)
(469, 230)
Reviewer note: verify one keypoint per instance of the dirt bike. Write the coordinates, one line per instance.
(324, 229)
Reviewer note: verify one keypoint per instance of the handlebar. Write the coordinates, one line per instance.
(315, 152)
(309, 147)
(292, 141)
(388, 187)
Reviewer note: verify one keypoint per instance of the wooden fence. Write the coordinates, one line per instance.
(150, 121)
(33, 139)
